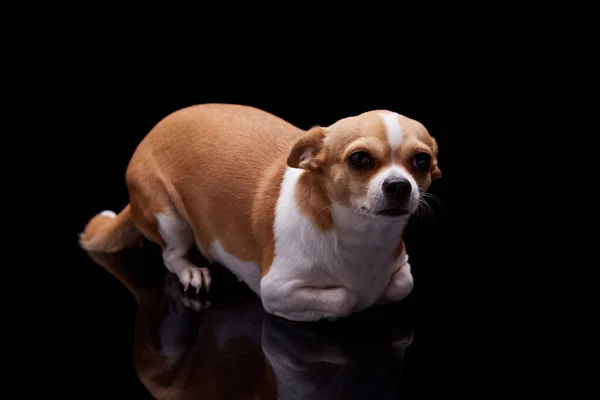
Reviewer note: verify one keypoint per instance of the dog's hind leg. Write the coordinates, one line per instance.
(156, 216)
(178, 240)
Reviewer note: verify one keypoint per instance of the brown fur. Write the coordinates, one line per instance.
(103, 233)
(313, 201)
(184, 176)
(263, 213)
(417, 139)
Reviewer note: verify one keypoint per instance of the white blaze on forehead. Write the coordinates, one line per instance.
(393, 130)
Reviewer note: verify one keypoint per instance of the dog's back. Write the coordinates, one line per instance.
(195, 179)
(178, 158)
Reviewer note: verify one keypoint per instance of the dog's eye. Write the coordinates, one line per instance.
(360, 159)
(422, 162)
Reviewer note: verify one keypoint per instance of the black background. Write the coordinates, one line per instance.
(116, 101)
(96, 80)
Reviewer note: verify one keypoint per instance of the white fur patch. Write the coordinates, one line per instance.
(330, 274)
(393, 130)
(108, 213)
(179, 239)
(246, 271)
(176, 234)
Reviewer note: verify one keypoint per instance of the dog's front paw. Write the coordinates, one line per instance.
(343, 302)
(310, 303)
(399, 287)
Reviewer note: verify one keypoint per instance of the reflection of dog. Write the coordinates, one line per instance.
(311, 221)
(313, 361)
(181, 353)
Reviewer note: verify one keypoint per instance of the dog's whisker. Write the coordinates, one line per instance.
(435, 198)
(422, 214)
(426, 196)
(425, 211)
(432, 196)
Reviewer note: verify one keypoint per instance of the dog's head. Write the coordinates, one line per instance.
(378, 163)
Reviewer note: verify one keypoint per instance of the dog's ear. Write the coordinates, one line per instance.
(436, 172)
(305, 152)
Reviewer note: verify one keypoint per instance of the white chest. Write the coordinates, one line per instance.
(357, 254)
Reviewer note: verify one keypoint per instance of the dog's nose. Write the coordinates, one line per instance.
(397, 188)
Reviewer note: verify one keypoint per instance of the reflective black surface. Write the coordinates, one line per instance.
(138, 337)
(223, 345)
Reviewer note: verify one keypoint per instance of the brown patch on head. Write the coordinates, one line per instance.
(326, 153)
(417, 142)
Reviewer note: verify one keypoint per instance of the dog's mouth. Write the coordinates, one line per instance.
(392, 212)
(386, 212)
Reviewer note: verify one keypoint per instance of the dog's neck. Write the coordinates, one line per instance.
(356, 230)
(353, 230)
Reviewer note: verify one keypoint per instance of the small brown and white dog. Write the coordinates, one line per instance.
(312, 221)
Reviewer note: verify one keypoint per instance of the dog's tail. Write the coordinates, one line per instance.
(108, 232)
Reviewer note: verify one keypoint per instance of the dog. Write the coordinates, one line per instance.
(311, 220)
